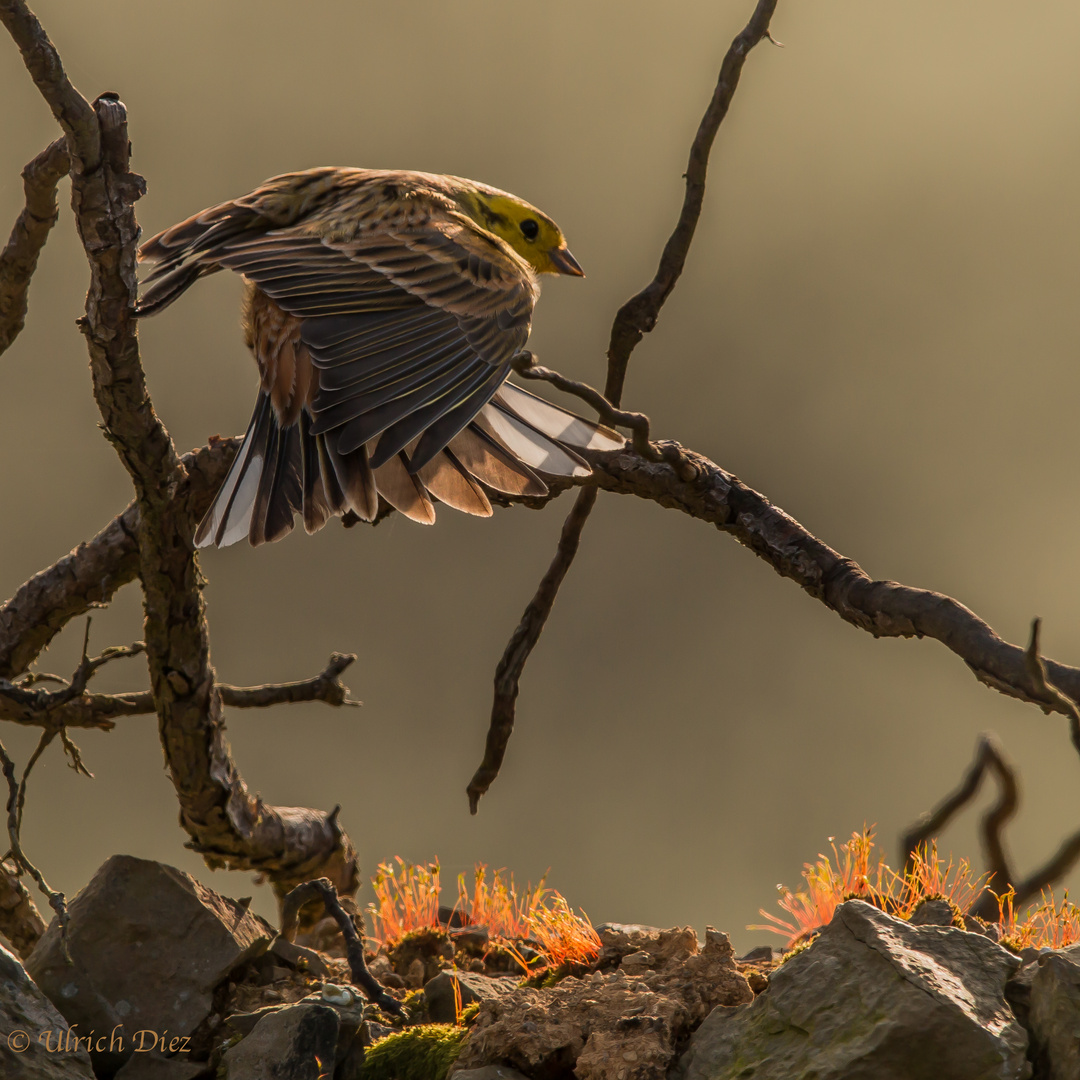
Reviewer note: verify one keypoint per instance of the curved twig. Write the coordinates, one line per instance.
(322, 889)
(989, 757)
(525, 637)
(525, 365)
(18, 260)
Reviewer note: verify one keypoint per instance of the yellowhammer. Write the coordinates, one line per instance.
(383, 310)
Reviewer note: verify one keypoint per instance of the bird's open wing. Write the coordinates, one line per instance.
(411, 328)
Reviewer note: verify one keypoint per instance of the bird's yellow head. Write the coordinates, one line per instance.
(532, 234)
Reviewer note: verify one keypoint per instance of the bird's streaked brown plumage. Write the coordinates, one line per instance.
(383, 310)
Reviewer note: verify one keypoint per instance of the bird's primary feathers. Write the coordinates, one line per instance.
(383, 310)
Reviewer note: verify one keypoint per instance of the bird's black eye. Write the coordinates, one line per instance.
(530, 229)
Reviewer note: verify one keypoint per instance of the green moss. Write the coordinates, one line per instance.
(415, 1007)
(421, 1053)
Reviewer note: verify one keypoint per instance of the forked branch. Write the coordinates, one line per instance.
(632, 321)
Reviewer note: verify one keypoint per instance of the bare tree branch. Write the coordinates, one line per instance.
(632, 321)
(18, 260)
(326, 686)
(228, 825)
(100, 711)
(71, 109)
(639, 314)
(693, 485)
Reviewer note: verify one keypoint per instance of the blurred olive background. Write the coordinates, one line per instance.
(877, 328)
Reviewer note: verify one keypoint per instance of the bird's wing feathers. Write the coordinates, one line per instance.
(410, 315)
(412, 330)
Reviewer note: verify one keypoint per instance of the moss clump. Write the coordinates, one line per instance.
(421, 1053)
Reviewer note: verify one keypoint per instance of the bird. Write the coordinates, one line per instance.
(384, 310)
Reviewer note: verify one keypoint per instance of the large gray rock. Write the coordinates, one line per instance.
(1054, 1016)
(298, 1042)
(874, 998)
(33, 1035)
(149, 945)
(439, 992)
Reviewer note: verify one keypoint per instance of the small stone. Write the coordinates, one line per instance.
(298, 1042)
(439, 992)
(933, 913)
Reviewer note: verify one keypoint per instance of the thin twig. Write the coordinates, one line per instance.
(99, 711)
(47, 737)
(322, 889)
(1051, 872)
(525, 637)
(525, 365)
(22, 863)
(632, 321)
(639, 314)
(1044, 688)
(989, 757)
(19, 259)
(326, 687)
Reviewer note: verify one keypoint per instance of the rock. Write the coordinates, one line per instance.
(488, 1072)
(621, 939)
(933, 913)
(297, 1042)
(150, 945)
(439, 992)
(610, 1026)
(300, 958)
(1054, 1017)
(873, 997)
(763, 954)
(33, 1035)
(156, 1067)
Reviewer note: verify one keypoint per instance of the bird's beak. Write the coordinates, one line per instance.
(565, 263)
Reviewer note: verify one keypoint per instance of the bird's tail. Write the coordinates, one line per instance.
(281, 471)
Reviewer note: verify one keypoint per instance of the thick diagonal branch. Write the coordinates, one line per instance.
(18, 260)
(691, 484)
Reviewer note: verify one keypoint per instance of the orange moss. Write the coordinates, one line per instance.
(1044, 925)
(407, 899)
(857, 875)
